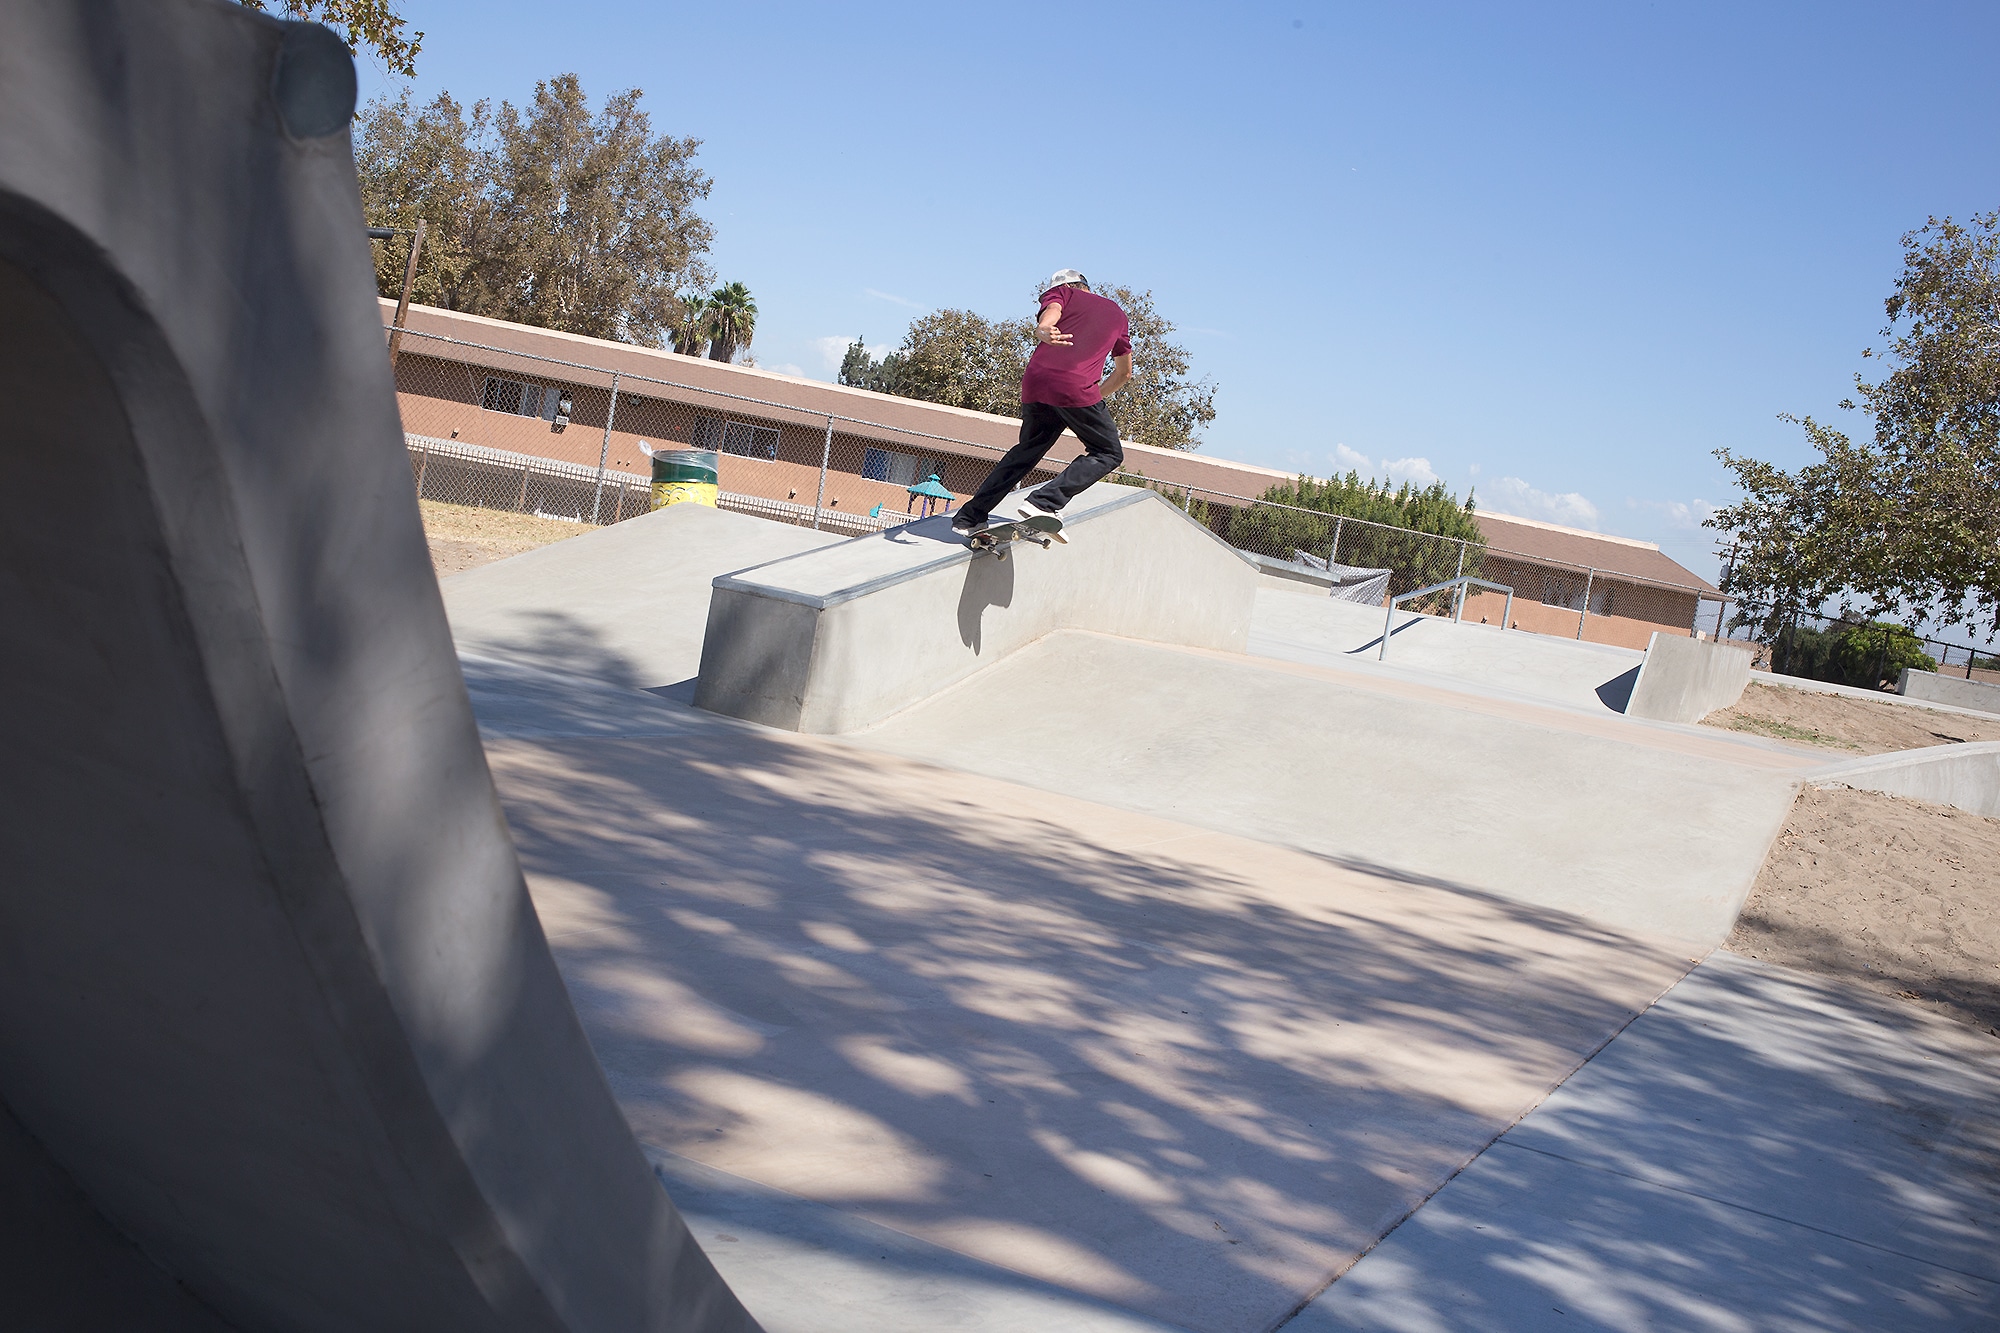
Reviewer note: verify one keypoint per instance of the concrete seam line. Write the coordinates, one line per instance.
(1754, 1212)
(1481, 1151)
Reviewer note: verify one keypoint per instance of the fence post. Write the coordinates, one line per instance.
(1333, 554)
(1584, 614)
(604, 457)
(1461, 561)
(424, 463)
(825, 457)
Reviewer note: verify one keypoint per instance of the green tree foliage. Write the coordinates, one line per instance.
(374, 24)
(732, 321)
(1162, 405)
(963, 359)
(1911, 517)
(546, 215)
(1862, 654)
(1300, 516)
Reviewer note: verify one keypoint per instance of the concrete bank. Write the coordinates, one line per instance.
(1684, 680)
(837, 639)
(1964, 776)
(1932, 687)
(624, 605)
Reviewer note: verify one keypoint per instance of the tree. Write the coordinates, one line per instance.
(688, 333)
(1911, 518)
(548, 216)
(732, 321)
(1161, 406)
(1385, 545)
(371, 23)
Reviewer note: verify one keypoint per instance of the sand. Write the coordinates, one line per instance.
(1845, 724)
(464, 537)
(1889, 894)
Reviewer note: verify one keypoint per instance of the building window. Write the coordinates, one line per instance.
(741, 438)
(897, 469)
(1566, 591)
(520, 399)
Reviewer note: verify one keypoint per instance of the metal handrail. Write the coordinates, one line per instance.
(1457, 615)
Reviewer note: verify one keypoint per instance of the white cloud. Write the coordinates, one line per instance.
(832, 349)
(892, 298)
(1417, 471)
(1511, 495)
(1688, 514)
(1352, 458)
(787, 368)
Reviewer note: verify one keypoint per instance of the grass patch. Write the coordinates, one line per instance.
(1785, 731)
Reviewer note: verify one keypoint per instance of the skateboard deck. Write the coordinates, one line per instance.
(1043, 530)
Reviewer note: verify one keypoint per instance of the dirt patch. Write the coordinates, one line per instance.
(1845, 724)
(465, 537)
(1894, 895)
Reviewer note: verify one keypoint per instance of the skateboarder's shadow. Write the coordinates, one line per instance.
(988, 582)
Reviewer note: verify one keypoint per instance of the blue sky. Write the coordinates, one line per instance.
(1554, 252)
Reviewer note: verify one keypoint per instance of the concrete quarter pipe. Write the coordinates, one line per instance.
(281, 1042)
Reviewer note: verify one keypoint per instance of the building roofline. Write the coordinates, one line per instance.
(860, 396)
(1573, 532)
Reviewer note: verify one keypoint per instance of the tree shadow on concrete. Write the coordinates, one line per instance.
(1758, 1151)
(1148, 1075)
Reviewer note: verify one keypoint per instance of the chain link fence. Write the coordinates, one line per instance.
(567, 439)
(1853, 650)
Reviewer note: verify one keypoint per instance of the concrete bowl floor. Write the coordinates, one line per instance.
(1184, 1073)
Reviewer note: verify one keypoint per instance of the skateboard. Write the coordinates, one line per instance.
(997, 537)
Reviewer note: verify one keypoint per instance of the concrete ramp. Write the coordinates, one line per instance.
(282, 1044)
(1645, 828)
(837, 639)
(623, 605)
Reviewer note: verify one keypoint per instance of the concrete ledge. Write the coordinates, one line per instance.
(1966, 777)
(1931, 687)
(1684, 680)
(837, 639)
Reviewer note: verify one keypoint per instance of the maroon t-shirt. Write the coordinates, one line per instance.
(1069, 376)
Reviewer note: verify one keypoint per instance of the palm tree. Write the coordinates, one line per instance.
(732, 321)
(691, 324)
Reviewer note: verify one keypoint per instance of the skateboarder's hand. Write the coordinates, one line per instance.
(1048, 333)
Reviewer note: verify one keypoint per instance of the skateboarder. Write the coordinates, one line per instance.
(1076, 331)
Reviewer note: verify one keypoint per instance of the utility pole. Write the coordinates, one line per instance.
(409, 281)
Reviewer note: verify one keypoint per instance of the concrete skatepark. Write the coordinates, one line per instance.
(398, 957)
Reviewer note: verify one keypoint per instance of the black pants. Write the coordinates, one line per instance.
(1041, 423)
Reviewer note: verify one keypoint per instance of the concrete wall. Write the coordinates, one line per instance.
(1931, 687)
(1685, 679)
(1965, 776)
(278, 1024)
(837, 639)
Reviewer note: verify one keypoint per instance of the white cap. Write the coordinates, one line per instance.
(1064, 276)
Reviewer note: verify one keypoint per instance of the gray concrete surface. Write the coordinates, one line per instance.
(282, 1044)
(1759, 1151)
(1319, 631)
(1965, 776)
(1645, 827)
(1147, 1067)
(1931, 687)
(635, 593)
(1684, 679)
(1888, 697)
(833, 640)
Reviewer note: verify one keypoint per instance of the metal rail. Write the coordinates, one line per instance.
(1458, 613)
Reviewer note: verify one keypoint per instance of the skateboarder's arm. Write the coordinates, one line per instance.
(1046, 330)
(1121, 371)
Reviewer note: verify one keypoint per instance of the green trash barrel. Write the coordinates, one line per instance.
(683, 476)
